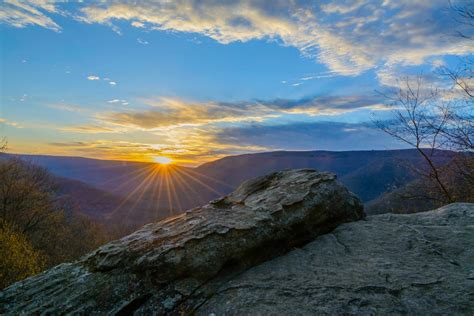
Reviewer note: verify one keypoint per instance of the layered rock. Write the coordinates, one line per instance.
(417, 264)
(174, 265)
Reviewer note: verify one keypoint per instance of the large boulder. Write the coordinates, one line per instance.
(417, 264)
(173, 266)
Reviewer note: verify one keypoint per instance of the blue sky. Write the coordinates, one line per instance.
(198, 80)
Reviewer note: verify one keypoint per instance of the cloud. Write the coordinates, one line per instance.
(88, 129)
(171, 113)
(195, 132)
(309, 136)
(123, 102)
(10, 123)
(141, 41)
(22, 13)
(195, 148)
(318, 76)
(327, 105)
(166, 112)
(342, 8)
(97, 78)
(138, 24)
(107, 149)
(23, 98)
(348, 37)
(192, 145)
(67, 107)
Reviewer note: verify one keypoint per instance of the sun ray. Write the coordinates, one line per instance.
(193, 178)
(173, 192)
(129, 196)
(160, 187)
(130, 176)
(193, 171)
(146, 184)
(168, 193)
(182, 181)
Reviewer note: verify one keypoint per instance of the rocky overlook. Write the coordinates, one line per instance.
(163, 266)
(291, 242)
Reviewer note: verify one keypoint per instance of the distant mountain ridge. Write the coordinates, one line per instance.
(146, 191)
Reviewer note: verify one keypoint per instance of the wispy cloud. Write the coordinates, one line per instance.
(23, 98)
(10, 123)
(88, 129)
(142, 41)
(114, 101)
(67, 107)
(21, 13)
(381, 33)
(138, 24)
(300, 81)
(195, 145)
(165, 113)
(97, 78)
(195, 148)
(326, 135)
(348, 37)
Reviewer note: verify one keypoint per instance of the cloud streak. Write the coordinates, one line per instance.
(324, 135)
(10, 123)
(170, 113)
(22, 13)
(67, 107)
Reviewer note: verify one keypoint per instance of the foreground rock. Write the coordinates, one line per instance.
(174, 265)
(418, 264)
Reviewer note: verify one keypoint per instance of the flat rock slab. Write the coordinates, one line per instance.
(417, 264)
(172, 266)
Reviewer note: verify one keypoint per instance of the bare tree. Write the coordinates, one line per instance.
(428, 119)
(464, 15)
(417, 122)
(459, 111)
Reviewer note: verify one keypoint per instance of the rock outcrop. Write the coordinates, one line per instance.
(173, 266)
(417, 264)
(214, 260)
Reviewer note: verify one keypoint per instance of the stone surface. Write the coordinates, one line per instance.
(173, 266)
(417, 264)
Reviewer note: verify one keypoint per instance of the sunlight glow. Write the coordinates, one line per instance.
(162, 160)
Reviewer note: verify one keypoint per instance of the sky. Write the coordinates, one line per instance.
(194, 81)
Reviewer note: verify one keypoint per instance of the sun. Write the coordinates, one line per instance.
(162, 160)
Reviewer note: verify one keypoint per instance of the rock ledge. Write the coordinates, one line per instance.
(167, 267)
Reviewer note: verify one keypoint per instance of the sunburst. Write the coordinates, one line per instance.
(163, 160)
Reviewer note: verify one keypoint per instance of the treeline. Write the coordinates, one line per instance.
(38, 227)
